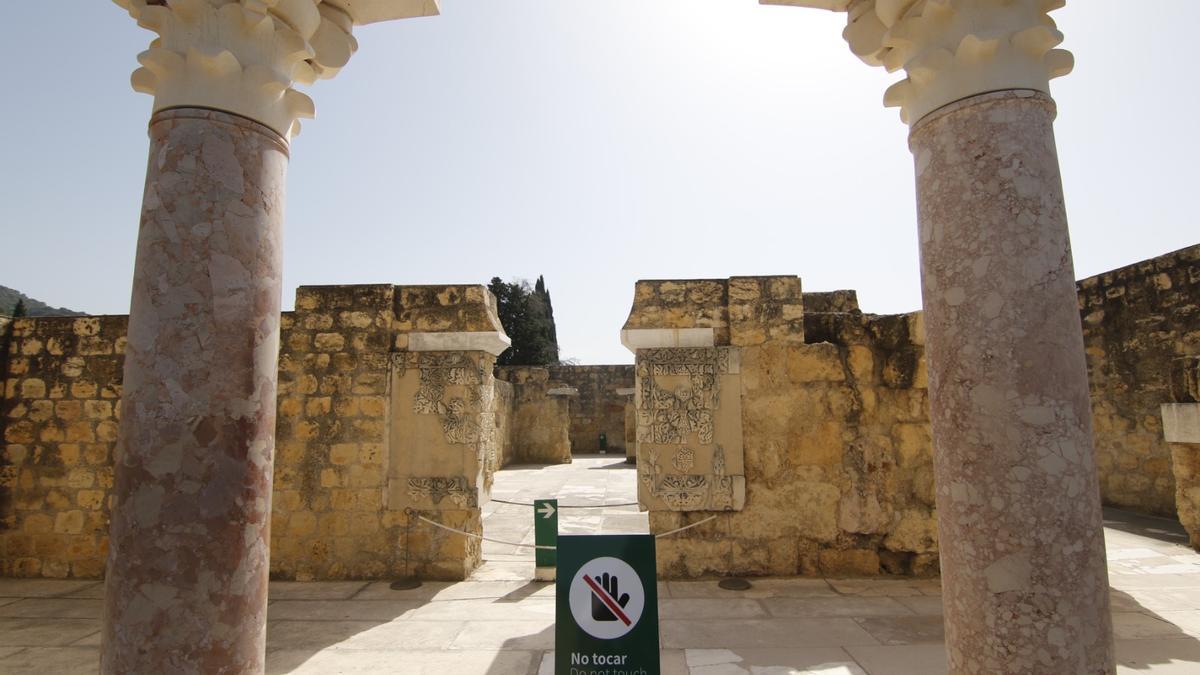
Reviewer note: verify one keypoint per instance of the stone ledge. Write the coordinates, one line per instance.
(493, 343)
(655, 338)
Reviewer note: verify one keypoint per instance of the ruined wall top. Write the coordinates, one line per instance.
(714, 312)
(458, 317)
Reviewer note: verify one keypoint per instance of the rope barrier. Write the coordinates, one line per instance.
(569, 506)
(685, 527)
(548, 548)
(480, 536)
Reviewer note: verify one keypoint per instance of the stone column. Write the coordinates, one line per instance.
(186, 583)
(1024, 577)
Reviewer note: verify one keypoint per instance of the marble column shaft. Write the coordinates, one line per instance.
(1023, 567)
(186, 586)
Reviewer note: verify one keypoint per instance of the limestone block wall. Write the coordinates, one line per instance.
(344, 500)
(328, 518)
(1136, 321)
(504, 418)
(59, 415)
(834, 429)
(598, 408)
(540, 422)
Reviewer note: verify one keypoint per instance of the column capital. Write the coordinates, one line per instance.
(246, 56)
(952, 49)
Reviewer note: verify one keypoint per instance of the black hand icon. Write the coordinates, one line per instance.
(600, 610)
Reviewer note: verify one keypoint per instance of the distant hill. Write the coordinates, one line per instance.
(9, 298)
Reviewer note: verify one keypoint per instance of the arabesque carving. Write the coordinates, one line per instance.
(435, 489)
(678, 404)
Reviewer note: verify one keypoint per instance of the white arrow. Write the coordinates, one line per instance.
(546, 510)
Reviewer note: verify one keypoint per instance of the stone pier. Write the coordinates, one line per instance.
(1024, 579)
(186, 585)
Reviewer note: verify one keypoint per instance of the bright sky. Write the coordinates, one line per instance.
(595, 142)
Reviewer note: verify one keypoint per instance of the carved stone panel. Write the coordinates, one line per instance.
(443, 424)
(689, 429)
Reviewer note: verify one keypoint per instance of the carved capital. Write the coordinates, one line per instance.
(246, 56)
(953, 49)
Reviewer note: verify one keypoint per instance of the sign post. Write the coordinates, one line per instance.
(606, 609)
(545, 533)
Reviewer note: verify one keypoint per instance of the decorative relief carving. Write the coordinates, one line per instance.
(464, 420)
(435, 489)
(649, 470)
(459, 390)
(684, 492)
(722, 498)
(678, 404)
(669, 413)
(685, 459)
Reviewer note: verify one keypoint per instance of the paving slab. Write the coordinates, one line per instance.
(502, 623)
(64, 608)
(367, 662)
(47, 660)
(762, 633)
(44, 632)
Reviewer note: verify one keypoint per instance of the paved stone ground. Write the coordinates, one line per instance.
(500, 623)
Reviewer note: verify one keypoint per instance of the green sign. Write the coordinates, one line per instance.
(606, 609)
(545, 531)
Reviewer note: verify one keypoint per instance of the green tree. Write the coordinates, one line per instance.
(528, 319)
(19, 309)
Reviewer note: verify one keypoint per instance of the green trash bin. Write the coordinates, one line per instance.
(603, 442)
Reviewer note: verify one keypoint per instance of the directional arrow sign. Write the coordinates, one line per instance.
(545, 533)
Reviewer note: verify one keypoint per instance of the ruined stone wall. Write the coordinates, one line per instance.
(540, 421)
(504, 419)
(346, 491)
(60, 411)
(598, 408)
(837, 456)
(328, 519)
(1136, 320)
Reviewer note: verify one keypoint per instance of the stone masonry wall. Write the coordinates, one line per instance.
(333, 515)
(833, 410)
(837, 452)
(328, 519)
(540, 422)
(598, 408)
(60, 411)
(504, 420)
(1136, 321)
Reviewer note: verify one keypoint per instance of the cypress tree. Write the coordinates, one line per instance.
(528, 319)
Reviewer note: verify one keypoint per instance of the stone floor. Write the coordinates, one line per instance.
(500, 623)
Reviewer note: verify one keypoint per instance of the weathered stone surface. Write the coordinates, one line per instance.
(1141, 324)
(598, 408)
(837, 459)
(43, 474)
(540, 431)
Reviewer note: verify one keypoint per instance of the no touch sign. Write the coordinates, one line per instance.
(607, 606)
